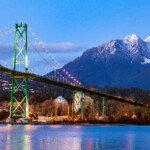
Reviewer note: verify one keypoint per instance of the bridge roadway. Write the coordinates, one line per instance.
(42, 79)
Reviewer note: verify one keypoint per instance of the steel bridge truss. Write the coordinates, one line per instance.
(20, 107)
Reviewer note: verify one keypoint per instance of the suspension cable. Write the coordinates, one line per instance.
(53, 59)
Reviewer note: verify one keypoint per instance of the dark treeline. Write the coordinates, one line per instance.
(129, 93)
(42, 102)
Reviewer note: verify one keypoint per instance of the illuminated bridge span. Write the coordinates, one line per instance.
(42, 79)
(61, 79)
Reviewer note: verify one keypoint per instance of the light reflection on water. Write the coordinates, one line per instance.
(60, 137)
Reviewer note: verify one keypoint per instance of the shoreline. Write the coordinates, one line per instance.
(81, 124)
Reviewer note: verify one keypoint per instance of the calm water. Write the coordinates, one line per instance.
(60, 137)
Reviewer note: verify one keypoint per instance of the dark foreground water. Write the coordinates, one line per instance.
(60, 137)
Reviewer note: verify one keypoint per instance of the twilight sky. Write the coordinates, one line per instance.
(68, 27)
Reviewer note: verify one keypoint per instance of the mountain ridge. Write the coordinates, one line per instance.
(117, 63)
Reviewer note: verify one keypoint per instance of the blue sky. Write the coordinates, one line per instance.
(81, 23)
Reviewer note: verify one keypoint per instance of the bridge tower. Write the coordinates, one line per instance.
(19, 92)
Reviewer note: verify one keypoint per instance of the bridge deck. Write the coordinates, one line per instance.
(68, 86)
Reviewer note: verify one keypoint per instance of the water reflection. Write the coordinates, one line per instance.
(31, 127)
(6, 128)
(27, 142)
(129, 142)
(55, 126)
(45, 137)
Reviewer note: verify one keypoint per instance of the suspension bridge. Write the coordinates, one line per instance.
(60, 78)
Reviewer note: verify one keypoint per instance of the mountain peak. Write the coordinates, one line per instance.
(147, 39)
(120, 63)
(132, 38)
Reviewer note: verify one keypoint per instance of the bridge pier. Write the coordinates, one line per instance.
(82, 106)
(103, 106)
(56, 107)
(72, 107)
(103, 117)
(78, 104)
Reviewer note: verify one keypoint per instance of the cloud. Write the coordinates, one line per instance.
(6, 47)
(53, 48)
(63, 52)
(59, 47)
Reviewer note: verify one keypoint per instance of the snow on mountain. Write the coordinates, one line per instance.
(131, 38)
(132, 46)
(132, 42)
(147, 39)
(120, 63)
(146, 61)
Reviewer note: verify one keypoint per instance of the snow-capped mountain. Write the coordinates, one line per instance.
(147, 39)
(119, 63)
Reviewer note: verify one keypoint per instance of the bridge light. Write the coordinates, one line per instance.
(26, 59)
(33, 33)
